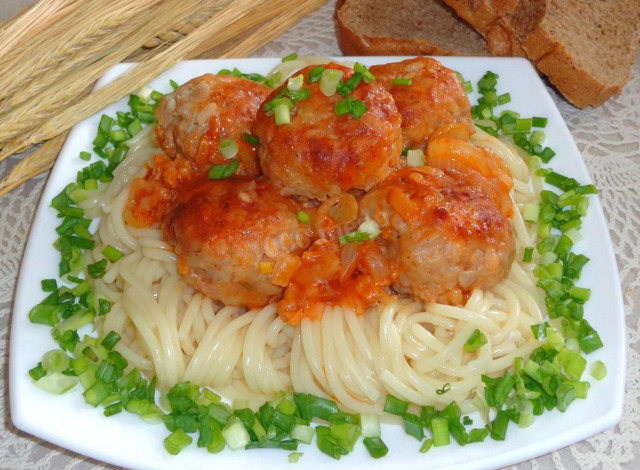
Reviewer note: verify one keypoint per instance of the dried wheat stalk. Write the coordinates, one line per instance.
(91, 22)
(271, 18)
(32, 20)
(206, 10)
(72, 113)
(38, 161)
(35, 110)
(266, 22)
(84, 48)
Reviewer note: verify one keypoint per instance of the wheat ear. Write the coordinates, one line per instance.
(60, 97)
(38, 161)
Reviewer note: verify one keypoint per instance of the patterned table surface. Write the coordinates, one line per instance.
(608, 138)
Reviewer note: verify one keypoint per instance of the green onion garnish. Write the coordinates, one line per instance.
(228, 147)
(290, 57)
(303, 217)
(367, 76)
(315, 74)
(475, 341)
(112, 253)
(354, 237)
(249, 138)
(329, 81)
(217, 172)
(352, 106)
(401, 81)
(295, 83)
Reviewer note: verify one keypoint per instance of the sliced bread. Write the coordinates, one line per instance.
(586, 50)
(404, 27)
(587, 53)
(491, 18)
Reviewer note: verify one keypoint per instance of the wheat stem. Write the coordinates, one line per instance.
(98, 28)
(38, 161)
(61, 96)
(127, 83)
(32, 20)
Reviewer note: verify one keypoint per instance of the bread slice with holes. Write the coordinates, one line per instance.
(404, 27)
(586, 50)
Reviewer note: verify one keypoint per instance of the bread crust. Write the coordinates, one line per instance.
(588, 61)
(577, 81)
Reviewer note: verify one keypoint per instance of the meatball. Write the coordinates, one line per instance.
(193, 120)
(320, 154)
(448, 237)
(230, 234)
(434, 98)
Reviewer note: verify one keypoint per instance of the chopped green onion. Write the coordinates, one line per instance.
(416, 157)
(370, 227)
(370, 425)
(539, 121)
(302, 433)
(354, 237)
(347, 87)
(352, 106)
(228, 147)
(303, 217)
(426, 446)
(528, 254)
(235, 434)
(110, 340)
(55, 360)
(395, 406)
(98, 269)
(345, 434)
(56, 383)
(249, 138)
(281, 113)
(367, 76)
(290, 57)
(315, 74)
(376, 446)
(401, 81)
(112, 253)
(598, 370)
(322, 408)
(177, 441)
(329, 81)
(223, 171)
(475, 341)
(49, 285)
(440, 430)
(294, 457)
(295, 83)
(413, 425)
(37, 372)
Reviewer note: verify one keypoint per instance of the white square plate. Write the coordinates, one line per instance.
(125, 440)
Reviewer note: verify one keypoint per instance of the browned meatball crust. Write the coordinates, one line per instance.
(319, 154)
(193, 120)
(434, 98)
(448, 237)
(222, 231)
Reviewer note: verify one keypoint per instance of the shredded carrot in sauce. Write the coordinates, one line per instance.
(152, 197)
(320, 281)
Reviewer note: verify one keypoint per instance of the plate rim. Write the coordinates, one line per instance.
(605, 421)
